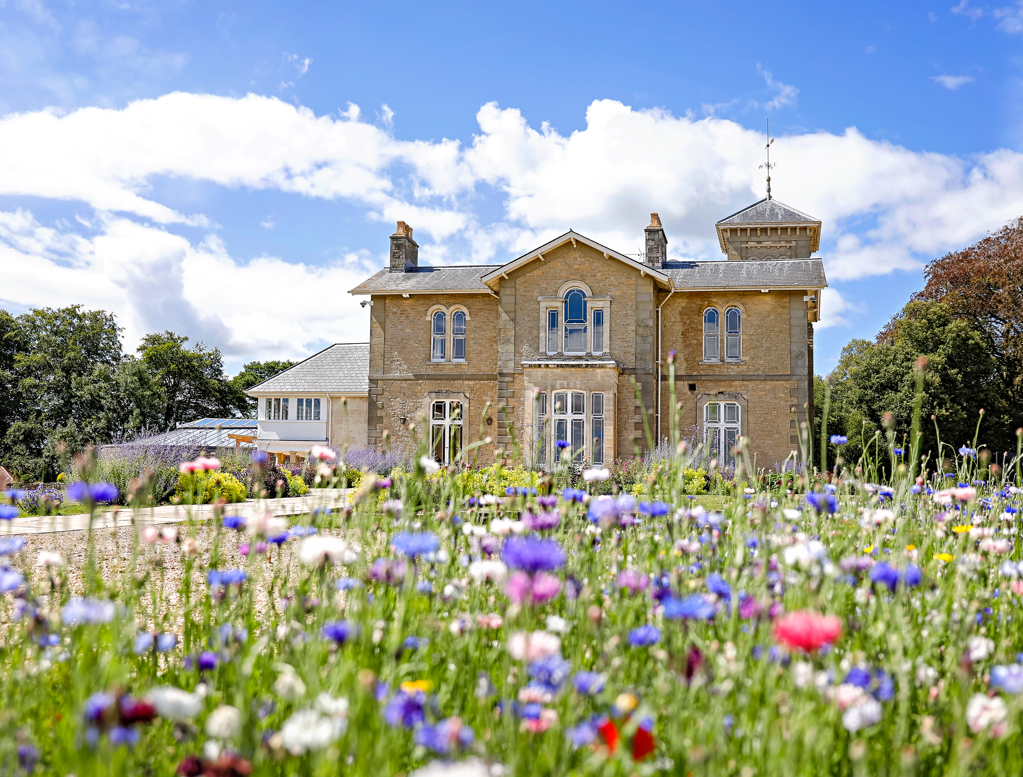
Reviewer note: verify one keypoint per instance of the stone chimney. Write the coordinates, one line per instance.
(656, 242)
(404, 250)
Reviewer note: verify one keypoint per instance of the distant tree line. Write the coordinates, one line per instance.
(65, 379)
(967, 323)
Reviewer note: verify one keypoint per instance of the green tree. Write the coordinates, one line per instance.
(256, 372)
(191, 381)
(961, 377)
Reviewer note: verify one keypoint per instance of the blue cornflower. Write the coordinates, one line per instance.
(549, 672)
(405, 709)
(424, 587)
(589, 683)
(822, 502)
(97, 705)
(885, 574)
(9, 512)
(143, 642)
(717, 585)
(78, 611)
(121, 736)
(302, 531)
(411, 544)
(90, 493)
(348, 583)
(573, 495)
(967, 452)
(10, 580)
(694, 607)
(582, 735)
(414, 643)
(839, 439)
(531, 554)
(234, 522)
(259, 457)
(442, 736)
(561, 444)
(218, 577)
(654, 509)
(1008, 678)
(9, 545)
(166, 641)
(898, 451)
(14, 494)
(208, 661)
(340, 631)
(644, 635)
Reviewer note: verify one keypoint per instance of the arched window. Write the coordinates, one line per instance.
(711, 344)
(575, 322)
(733, 334)
(458, 336)
(440, 324)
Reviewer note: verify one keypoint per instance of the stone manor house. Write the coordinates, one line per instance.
(550, 346)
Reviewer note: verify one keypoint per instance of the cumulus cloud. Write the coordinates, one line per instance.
(885, 208)
(952, 82)
(1008, 18)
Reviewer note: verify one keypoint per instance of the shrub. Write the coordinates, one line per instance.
(296, 485)
(204, 487)
(273, 480)
(38, 500)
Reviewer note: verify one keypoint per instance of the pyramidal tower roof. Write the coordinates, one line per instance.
(768, 211)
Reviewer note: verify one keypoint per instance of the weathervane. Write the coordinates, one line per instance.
(768, 166)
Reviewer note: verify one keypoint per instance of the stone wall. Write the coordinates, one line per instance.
(355, 416)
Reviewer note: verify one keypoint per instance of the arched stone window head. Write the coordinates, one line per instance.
(711, 335)
(575, 321)
(438, 349)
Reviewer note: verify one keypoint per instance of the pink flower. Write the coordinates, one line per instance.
(322, 453)
(545, 587)
(518, 587)
(538, 725)
(491, 621)
(807, 630)
(150, 535)
(533, 646)
(200, 464)
(536, 590)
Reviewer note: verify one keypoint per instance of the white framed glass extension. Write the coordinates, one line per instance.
(722, 424)
(577, 427)
(445, 429)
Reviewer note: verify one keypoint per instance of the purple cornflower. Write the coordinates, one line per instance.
(533, 555)
(385, 570)
(78, 611)
(10, 580)
(413, 545)
(339, 631)
(258, 457)
(644, 635)
(541, 522)
(405, 709)
(208, 661)
(1008, 678)
(444, 736)
(887, 575)
(124, 737)
(654, 509)
(549, 672)
(548, 501)
(589, 683)
(234, 522)
(693, 607)
(717, 586)
(573, 495)
(218, 577)
(97, 705)
(90, 493)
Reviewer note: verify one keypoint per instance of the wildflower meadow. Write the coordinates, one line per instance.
(860, 621)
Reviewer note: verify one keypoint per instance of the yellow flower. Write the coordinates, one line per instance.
(626, 703)
(911, 547)
(868, 549)
(416, 685)
(963, 528)
(943, 557)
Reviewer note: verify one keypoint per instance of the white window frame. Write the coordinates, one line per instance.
(438, 340)
(597, 415)
(307, 409)
(553, 340)
(733, 336)
(457, 338)
(540, 423)
(447, 426)
(442, 345)
(275, 409)
(722, 425)
(712, 337)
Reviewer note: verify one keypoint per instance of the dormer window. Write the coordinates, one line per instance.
(574, 323)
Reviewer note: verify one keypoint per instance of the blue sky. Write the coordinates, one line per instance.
(229, 170)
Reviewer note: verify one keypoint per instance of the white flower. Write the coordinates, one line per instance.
(530, 647)
(175, 704)
(979, 648)
(48, 559)
(473, 767)
(877, 517)
(557, 624)
(802, 674)
(322, 453)
(317, 549)
(488, 571)
(308, 730)
(864, 714)
(846, 695)
(926, 675)
(596, 474)
(429, 465)
(804, 554)
(328, 705)
(791, 514)
(984, 712)
(267, 525)
(289, 685)
(225, 722)
(504, 526)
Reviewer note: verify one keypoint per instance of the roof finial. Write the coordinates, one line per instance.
(768, 166)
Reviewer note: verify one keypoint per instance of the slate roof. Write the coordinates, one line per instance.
(789, 273)
(768, 212)
(342, 368)
(459, 277)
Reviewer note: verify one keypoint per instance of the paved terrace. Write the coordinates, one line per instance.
(122, 517)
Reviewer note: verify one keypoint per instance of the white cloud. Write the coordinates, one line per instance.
(37, 11)
(1009, 18)
(884, 207)
(784, 94)
(952, 82)
(870, 49)
(301, 64)
(267, 223)
(834, 309)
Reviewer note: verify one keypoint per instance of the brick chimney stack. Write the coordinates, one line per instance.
(656, 242)
(404, 250)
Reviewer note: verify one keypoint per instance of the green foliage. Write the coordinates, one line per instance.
(493, 480)
(253, 373)
(296, 485)
(205, 486)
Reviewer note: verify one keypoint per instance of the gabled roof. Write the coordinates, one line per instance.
(722, 274)
(767, 211)
(491, 279)
(455, 279)
(342, 368)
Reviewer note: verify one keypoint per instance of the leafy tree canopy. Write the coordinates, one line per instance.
(256, 372)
